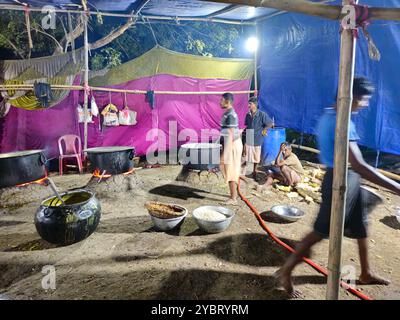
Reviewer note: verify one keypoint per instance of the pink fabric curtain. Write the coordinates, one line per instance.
(23, 130)
(194, 112)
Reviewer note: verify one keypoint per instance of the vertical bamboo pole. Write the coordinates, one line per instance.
(86, 79)
(255, 63)
(345, 97)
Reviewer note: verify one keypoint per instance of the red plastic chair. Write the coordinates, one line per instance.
(70, 147)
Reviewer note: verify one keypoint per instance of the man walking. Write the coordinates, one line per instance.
(356, 212)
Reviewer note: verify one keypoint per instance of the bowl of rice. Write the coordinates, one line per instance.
(213, 219)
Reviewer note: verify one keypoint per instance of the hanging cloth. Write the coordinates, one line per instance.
(150, 98)
(43, 93)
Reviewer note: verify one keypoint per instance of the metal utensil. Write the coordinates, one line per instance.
(54, 188)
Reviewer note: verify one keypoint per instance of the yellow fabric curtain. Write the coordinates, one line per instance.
(162, 61)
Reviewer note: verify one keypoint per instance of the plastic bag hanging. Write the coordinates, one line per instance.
(93, 107)
(110, 114)
(373, 51)
(125, 116)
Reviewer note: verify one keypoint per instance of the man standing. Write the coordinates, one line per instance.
(356, 211)
(232, 146)
(257, 123)
(288, 168)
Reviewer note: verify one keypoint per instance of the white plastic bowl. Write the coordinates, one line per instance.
(213, 226)
(169, 223)
(288, 213)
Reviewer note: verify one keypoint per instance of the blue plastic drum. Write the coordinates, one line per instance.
(271, 145)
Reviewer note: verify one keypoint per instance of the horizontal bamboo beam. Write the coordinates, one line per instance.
(321, 10)
(105, 89)
(388, 174)
(306, 148)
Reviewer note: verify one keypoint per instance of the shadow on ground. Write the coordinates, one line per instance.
(391, 222)
(270, 216)
(250, 249)
(203, 284)
(180, 192)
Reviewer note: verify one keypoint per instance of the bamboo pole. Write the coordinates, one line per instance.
(255, 63)
(321, 10)
(341, 155)
(105, 89)
(86, 80)
(388, 174)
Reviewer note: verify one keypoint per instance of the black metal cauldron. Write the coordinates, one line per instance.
(21, 167)
(200, 156)
(114, 160)
(69, 223)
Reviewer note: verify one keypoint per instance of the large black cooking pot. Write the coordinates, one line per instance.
(200, 156)
(21, 167)
(114, 160)
(69, 223)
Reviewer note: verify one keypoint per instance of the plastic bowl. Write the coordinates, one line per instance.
(288, 213)
(213, 226)
(166, 224)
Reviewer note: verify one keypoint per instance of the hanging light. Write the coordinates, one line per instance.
(252, 44)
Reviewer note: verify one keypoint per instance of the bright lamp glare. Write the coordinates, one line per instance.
(252, 44)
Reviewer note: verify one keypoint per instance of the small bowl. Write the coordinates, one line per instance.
(288, 213)
(213, 226)
(166, 224)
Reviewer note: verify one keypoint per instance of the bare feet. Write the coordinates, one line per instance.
(372, 279)
(232, 202)
(284, 279)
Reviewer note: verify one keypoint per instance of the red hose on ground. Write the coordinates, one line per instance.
(289, 248)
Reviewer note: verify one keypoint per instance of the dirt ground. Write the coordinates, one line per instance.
(127, 259)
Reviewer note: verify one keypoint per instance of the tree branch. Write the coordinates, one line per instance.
(13, 46)
(50, 36)
(71, 36)
(111, 36)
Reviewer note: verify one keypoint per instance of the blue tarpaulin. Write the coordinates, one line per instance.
(299, 60)
(172, 8)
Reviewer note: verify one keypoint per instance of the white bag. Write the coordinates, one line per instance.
(93, 107)
(81, 115)
(110, 114)
(127, 117)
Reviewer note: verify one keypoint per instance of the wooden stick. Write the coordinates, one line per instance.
(86, 80)
(388, 174)
(339, 187)
(66, 87)
(255, 64)
(321, 10)
(332, 12)
(306, 148)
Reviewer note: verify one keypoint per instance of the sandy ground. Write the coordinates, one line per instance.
(127, 259)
